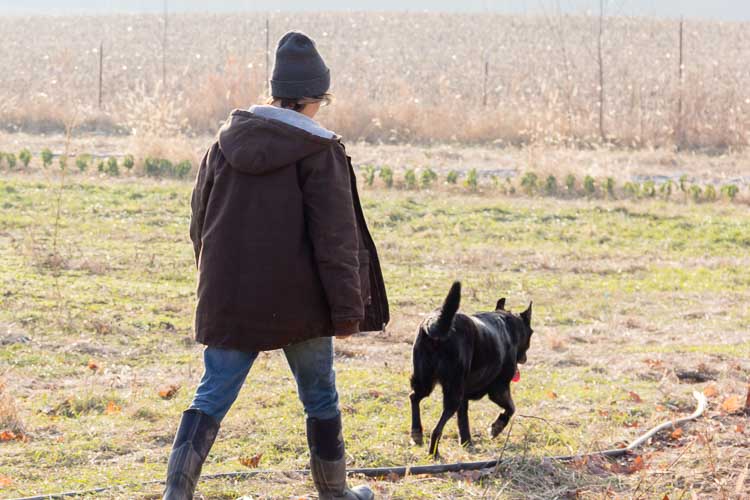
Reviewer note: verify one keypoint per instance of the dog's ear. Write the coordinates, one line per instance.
(500, 305)
(526, 315)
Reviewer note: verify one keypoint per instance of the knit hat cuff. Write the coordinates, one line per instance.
(306, 88)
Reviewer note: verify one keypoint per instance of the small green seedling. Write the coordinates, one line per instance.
(609, 187)
(428, 177)
(710, 193)
(410, 179)
(730, 191)
(25, 157)
(649, 189)
(128, 162)
(10, 159)
(183, 169)
(589, 186)
(529, 182)
(386, 175)
(369, 173)
(112, 168)
(550, 185)
(47, 157)
(570, 183)
(82, 162)
(695, 193)
(472, 180)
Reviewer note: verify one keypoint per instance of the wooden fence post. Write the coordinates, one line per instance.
(600, 61)
(268, 42)
(101, 70)
(164, 49)
(680, 129)
(484, 86)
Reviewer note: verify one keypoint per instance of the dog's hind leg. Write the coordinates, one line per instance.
(451, 401)
(463, 423)
(500, 395)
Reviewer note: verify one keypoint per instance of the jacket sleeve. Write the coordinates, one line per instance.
(332, 229)
(203, 183)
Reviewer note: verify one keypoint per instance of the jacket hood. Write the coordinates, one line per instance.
(266, 138)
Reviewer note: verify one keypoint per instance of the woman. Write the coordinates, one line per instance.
(285, 262)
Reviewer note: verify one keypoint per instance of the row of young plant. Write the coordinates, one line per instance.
(531, 184)
(153, 167)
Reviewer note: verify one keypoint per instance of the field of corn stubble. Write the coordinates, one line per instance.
(419, 77)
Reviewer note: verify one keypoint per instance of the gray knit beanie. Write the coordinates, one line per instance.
(299, 70)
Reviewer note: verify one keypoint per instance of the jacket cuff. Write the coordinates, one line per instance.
(344, 328)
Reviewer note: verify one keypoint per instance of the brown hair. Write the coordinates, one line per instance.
(298, 104)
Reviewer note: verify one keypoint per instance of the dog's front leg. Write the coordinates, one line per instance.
(501, 397)
(463, 423)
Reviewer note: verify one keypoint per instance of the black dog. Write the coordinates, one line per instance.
(471, 356)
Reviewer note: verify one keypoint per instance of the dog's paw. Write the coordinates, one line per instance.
(417, 438)
(497, 428)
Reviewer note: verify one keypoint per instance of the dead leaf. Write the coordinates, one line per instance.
(710, 390)
(169, 391)
(665, 497)
(676, 434)
(374, 393)
(740, 428)
(747, 399)
(7, 436)
(634, 397)
(13, 436)
(5, 481)
(731, 404)
(92, 366)
(631, 423)
(552, 394)
(660, 408)
(637, 464)
(251, 462)
(112, 408)
(653, 363)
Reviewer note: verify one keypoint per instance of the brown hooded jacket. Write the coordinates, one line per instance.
(282, 247)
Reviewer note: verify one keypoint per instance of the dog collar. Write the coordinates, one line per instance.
(517, 376)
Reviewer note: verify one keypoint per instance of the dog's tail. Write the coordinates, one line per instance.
(442, 327)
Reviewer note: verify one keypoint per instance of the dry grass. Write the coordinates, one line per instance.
(394, 82)
(10, 420)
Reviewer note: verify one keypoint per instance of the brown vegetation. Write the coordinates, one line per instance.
(397, 77)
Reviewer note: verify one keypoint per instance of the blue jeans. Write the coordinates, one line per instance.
(311, 363)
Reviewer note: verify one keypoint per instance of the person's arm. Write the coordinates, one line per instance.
(203, 183)
(332, 228)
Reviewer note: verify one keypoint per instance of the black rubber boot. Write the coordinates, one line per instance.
(328, 461)
(194, 439)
